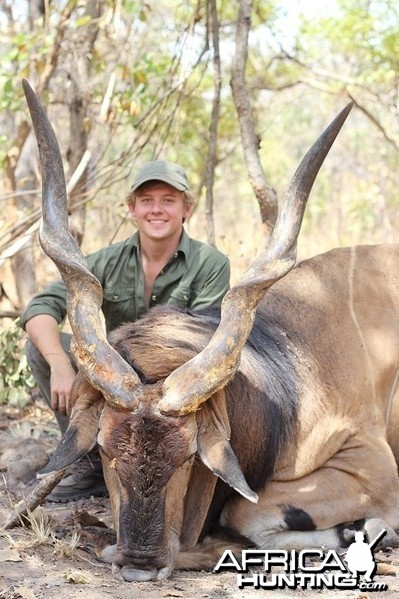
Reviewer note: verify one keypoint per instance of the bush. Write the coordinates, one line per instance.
(15, 376)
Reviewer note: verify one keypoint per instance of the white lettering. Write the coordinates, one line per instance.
(223, 563)
(332, 562)
(310, 568)
(253, 557)
(309, 553)
(330, 580)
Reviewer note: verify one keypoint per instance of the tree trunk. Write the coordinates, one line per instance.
(250, 142)
(79, 101)
(213, 128)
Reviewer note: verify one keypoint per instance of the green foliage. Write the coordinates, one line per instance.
(19, 54)
(15, 376)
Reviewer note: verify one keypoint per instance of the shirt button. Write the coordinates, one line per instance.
(153, 298)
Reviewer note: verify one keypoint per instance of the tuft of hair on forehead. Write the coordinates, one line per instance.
(162, 340)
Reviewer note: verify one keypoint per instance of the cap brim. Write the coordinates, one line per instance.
(163, 179)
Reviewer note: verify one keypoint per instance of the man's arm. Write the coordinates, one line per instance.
(44, 333)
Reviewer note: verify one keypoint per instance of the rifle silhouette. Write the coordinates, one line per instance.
(377, 538)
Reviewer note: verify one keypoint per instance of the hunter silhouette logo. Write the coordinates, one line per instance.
(307, 569)
(359, 556)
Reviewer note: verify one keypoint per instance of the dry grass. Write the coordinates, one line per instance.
(36, 530)
(25, 430)
(66, 548)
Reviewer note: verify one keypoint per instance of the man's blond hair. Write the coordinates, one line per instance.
(189, 198)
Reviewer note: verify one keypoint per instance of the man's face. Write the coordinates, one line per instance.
(159, 211)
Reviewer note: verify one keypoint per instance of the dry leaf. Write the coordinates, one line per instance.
(86, 519)
(75, 577)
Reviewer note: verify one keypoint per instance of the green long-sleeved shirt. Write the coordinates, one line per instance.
(197, 276)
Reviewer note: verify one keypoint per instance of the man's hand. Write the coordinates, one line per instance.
(61, 380)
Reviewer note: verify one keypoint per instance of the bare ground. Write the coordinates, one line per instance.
(56, 568)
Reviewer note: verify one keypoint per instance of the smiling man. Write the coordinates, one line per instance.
(159, 264)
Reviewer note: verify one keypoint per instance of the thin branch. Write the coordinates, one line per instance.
(23, 240)
(13, 314)
(34, 499)
(345, 84)
(375, 121)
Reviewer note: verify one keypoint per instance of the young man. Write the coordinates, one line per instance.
(159, 264)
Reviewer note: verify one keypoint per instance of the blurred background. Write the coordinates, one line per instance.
(234, 91)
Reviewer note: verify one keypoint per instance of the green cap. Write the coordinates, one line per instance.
(161, 170)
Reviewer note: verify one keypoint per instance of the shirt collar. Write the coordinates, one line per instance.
(134, 240)
(184, 245)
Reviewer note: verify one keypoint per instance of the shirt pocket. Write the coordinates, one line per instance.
(118, 306)
(180, 297)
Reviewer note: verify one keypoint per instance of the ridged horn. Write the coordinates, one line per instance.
(106, 370)
(191, 384)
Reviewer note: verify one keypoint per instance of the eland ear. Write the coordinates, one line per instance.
(81, 434)
(213, 445)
